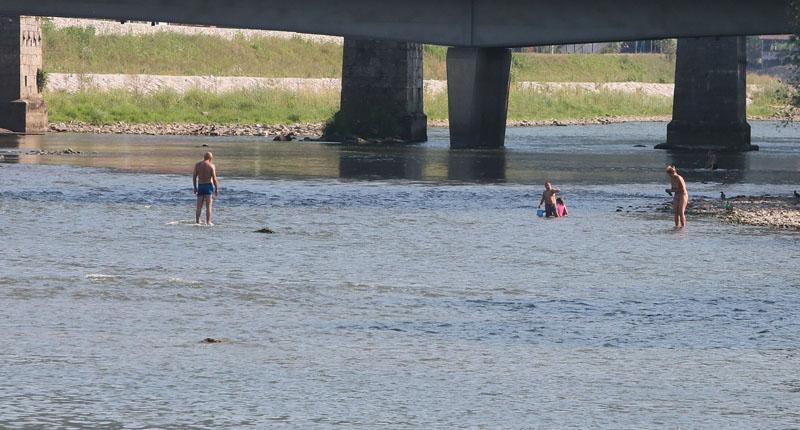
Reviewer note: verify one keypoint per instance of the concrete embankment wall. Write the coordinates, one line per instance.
(106, 27)
(148, 84)
(74, 82)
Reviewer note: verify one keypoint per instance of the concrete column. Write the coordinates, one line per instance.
(709, 108)
(382, 94)
(477, 92)
(22, 109)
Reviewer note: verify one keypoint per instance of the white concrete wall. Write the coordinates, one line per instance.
(107, 27)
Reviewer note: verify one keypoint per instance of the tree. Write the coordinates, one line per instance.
(611, 48)
(753, 51)
(793, 74)
(669, 47)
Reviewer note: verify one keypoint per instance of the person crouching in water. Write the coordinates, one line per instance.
(561, 208)
(549, 200)
(680, 196)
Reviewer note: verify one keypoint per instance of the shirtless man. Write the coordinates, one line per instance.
(549, 200)
(204, 181)
(680, 196)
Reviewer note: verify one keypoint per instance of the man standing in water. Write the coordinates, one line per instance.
(549, 200)
(680, 197)
(204, 181)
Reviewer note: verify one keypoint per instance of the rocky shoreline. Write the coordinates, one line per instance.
(598, 120)
(314, 131)
(297, 131)
(774, 212)
(281, 132)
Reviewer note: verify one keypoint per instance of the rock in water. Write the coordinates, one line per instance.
(265, 230)
(210, 340)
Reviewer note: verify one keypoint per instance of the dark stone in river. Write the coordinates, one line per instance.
(265, 230)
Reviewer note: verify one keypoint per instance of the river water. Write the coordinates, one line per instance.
(404, 287)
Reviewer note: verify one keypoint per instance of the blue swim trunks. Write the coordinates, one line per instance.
(205, 189)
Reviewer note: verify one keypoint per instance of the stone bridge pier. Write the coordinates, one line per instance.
(22, 108)
(382, 93)
(709, 107)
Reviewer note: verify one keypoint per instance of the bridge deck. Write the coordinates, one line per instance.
(481, 23)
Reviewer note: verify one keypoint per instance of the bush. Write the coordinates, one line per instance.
(41, 80)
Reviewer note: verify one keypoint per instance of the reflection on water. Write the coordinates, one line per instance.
(721, 167)
(477, 165)
(598, 154)
(381, 163)
(12, 142)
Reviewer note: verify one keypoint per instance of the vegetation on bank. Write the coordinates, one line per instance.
(568, 104)
(80, 50)
(268, 106)
(570, 67)
(243, 107)
(770, 100)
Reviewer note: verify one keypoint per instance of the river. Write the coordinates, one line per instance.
(407, 287)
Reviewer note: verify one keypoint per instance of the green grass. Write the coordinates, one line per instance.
(568, 104)
(771, 99)
(79, 50)
(243, 107)
(285, 107)
(75, 50)
(592, 68)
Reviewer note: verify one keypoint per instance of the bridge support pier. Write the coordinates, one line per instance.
(382, 94)
(709, 107)
(477, 93)
(22, 108)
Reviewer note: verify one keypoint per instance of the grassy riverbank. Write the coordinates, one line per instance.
(284, 107)
(243, 107)
(80, 50)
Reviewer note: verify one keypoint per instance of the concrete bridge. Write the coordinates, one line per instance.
(382, 76)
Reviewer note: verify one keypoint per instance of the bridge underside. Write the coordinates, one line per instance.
(478, 65)
(475, 23)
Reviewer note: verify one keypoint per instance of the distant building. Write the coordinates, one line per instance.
(770, 50)
(628, 47)
(642, 47)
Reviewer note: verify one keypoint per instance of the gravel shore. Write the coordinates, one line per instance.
(775, 212)
(285, 132)
(298, 131)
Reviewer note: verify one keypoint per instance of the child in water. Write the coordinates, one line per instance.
(549, 200)
(561, 208)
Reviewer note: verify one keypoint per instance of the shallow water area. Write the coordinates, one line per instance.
(404, 287)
